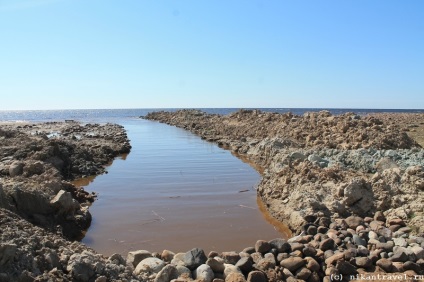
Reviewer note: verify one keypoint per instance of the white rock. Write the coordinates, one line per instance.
(204, 273)
(150, 265)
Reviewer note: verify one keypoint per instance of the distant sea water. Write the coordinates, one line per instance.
(110, 115)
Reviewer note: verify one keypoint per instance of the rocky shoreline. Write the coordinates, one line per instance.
(350, 186)
(334, 170)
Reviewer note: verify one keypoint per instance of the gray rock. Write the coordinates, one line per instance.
(385, 264)
(216, 266)
(183, 271)
(418, 251)
(16, 168)
(387, 247)
(399, 257)
(346, 268)
(245, 264)
(327, 244)
(303, 273)
(359, 241)
(401, 242)
(292, 263)
(135, 257)
(84, 266)
(281, 245)
(64, 202)
(262, 246)
(363, 262)
(167, 273)
(194, 258)
(256, 276)
(150, 265)
(309, 251)
(230, 257)
(7, 253)
(204, 273)
(409, 265)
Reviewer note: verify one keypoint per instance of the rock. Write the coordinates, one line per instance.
(334, 258)
(183, 271)
(358, 196)
(7, 253)
(235, 277)
(309, 251)
(167, 273)
(418, 251)
(135, 257)
(16, 168)
(409, 265)
(33, 168)
(359, 241)
(292, 263)
(379, 216)
(388, 247)
(327, 244)
(83, 266)
(385, 265)
(203, 273)
(117, 259)
(363, 262)
(303, 273)
(354, 221)
(312, 230)
(401, 242)
(385, 163)
(256, 276)
(399, 257)
(312, 264)
(167, 255)
(245, 264)
(262, 246)
(150, 265)
(268, 262)
(281, 245)
(229, 268)
(194, 258)
(216, 265)
(346, 268)
(372, 235)
(64, 202)
(230, 257)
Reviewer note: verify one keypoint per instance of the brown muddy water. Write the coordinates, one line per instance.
(175, 191)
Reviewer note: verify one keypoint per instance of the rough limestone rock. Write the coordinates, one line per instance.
(204, 273)
(64, 202)
(135, 257)
(167, 273)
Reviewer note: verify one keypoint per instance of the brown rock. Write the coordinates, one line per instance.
(292, 263)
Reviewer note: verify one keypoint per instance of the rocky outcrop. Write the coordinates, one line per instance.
(38, 160)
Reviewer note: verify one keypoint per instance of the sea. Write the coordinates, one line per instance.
(109, 115)
(174, 190)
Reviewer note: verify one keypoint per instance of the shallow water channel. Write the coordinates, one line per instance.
(175, 191)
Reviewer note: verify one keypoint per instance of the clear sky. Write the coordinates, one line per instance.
(72, 54)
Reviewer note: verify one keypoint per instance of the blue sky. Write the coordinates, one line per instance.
(67, 54)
